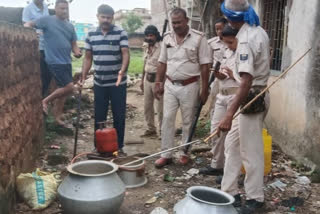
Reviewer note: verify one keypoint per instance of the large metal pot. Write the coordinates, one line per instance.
(132, 175)
(201, 199)
(92, 186)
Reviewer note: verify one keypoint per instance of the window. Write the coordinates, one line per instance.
(273, 23)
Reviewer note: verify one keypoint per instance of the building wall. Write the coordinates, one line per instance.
(294, 116)
(158, 13)
(21, 124)
(144, 14)
(136, 40)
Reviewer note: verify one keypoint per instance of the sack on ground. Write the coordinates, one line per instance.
(38, 189)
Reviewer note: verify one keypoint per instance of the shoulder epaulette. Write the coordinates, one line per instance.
(213, 39)
(166, 33)
(197, 32)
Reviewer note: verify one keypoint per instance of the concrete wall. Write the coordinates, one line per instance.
(144, 14)
(12, 15)
(21, 126)
(294, 116)
(158, 13)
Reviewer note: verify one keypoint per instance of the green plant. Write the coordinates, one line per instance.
(131, 23)
(136, 62)
(203, 128)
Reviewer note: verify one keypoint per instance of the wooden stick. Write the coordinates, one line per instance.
(236, 115)
(261, 93)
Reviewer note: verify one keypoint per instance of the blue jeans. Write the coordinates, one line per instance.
(118, 98)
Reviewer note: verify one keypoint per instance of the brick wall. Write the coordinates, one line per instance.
(21, 124)
(136, 40)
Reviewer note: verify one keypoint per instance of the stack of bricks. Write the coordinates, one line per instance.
(21, 123)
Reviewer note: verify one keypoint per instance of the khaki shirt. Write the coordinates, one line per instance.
(253, 54)
(184, 60)
(151, 58)
(217, 49)
(229, 60)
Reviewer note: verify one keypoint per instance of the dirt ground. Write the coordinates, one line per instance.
(169, 193)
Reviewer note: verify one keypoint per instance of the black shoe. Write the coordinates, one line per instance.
(121, 153)
(219, 179)
(210, 171)
(251, 207)
(178, 131)
(237, 201)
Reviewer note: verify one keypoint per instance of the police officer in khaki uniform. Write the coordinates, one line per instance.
(151, 56)
(183, 59)
(217, 49)
(252, 65)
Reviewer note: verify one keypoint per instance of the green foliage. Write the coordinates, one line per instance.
(76, 64)
(203, 128)
(132, 23)
(136, 62)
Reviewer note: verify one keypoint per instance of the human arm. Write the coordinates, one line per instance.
(161, 71)
(125, 63)
(241, 95)
(205, 60)
(86, 65)
(76, 50)
(26, 16)
(160, 78)
(143, 74)
(205, 81)
(30, 24)
(227, 72)
(124, 45)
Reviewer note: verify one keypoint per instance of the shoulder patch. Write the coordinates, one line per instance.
(167, 33)
(197, 32)
(243, 57)
(213, 39)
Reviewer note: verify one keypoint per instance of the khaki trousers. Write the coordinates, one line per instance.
(220, 108)
(249, 152)
(214, 91)
(149, 106)
(184, 97)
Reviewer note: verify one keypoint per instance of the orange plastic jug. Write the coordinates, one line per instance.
(106, 140)
(267, 147)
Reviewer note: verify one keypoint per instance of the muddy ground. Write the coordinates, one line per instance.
(284, 169)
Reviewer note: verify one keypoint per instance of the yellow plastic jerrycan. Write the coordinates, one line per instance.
(267, 142)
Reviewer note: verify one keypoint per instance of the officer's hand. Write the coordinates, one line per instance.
(219, 75)
(228, 71)
(120, 74)
(142, 86)
(225, 124)
(77, 53)
(158, 90)
(204, 96)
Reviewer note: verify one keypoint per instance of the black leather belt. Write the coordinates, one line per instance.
(151, 77)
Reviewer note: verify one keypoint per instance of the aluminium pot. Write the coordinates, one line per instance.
(201, 199)
(92, 186)
(132, 175)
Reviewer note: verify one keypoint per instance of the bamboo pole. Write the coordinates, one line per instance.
(235, 116)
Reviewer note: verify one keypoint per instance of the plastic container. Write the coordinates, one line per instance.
(106, 140)
(267, 142)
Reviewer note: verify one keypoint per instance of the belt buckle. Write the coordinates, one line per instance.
(178, 83)
(224, 91)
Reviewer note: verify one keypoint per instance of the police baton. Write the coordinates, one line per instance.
(197, 115)
(164, 28)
